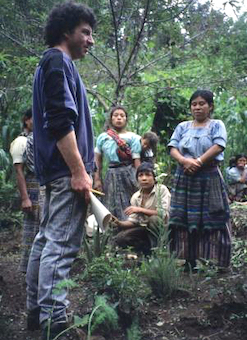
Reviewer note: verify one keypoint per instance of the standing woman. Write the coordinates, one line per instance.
(199, 218)
(121, 149)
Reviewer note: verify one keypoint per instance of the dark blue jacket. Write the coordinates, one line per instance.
(59, 106)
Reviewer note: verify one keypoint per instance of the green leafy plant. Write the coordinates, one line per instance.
(103, 314)
(97, 246)
(239, 254)
(162, 274)
(133, 333)
(110, 274)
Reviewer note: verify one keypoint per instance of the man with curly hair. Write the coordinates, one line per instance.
(64, 159)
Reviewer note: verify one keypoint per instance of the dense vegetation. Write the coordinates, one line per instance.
(149, 55)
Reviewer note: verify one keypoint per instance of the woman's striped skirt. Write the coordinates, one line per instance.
(199, 216)
(119, 185)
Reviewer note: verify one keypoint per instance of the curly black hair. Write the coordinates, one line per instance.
(64, 18)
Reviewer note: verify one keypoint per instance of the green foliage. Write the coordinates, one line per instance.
(78, 322)
(65, 285)
(103, 314)
(10, 214)
(239, 254)
(97, 246)
(4, 160)
(239, 219)
(133, 333)
(162, 274)
(111, 274)
(149, 55)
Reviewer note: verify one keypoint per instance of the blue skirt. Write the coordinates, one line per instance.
(119, 185)
(199, 218)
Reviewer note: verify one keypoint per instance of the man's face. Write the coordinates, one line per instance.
(79, 42)
(146, 180)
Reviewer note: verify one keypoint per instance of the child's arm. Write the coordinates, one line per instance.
(137, 210)
(124, 224)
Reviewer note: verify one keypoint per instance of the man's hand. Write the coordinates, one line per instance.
(26, 205)
(82, 183)
(131, 210)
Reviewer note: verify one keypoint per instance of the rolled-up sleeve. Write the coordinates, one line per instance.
(60, 110)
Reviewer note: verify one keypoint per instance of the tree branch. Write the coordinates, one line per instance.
(99, 96)
(164, 56)
(134, 47)
(6, 35)
(116, 38)
(174, 16)
(104, 65)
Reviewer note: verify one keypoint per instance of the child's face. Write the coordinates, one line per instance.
(241, 162)
(145, 144)
(146, 180)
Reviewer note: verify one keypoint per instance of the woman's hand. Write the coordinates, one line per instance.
(191, 166)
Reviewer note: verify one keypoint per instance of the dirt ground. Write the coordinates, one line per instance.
(214, 308)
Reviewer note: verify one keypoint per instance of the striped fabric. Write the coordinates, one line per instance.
(31, 220)
(199, 216)
(209, 244)
(119, 185)
(28, 155)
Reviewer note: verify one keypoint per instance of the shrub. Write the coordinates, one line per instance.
(161, 273)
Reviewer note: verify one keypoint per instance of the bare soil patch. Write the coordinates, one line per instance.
(212, 308)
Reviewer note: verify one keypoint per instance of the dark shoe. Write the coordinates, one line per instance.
(33, 319)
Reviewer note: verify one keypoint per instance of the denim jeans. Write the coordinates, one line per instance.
(54, 250)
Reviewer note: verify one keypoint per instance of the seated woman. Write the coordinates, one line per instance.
(236, 176)
(121, 149)
(143, 217)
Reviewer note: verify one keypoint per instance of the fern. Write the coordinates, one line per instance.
(162, 274)
(133, 333)
(102, 314)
